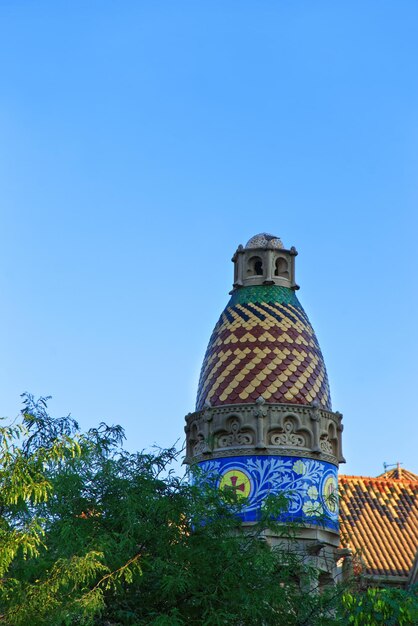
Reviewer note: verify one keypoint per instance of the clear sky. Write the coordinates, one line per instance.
(142, 141)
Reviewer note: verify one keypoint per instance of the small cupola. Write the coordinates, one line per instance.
(264, 261)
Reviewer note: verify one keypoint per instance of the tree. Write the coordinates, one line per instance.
(385, 607)
(23, 486)
(93, 534)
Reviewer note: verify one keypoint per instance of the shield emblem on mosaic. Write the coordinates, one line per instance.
(329, 493)
(237, 481)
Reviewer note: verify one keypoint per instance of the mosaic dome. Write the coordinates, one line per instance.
(264, 240)
(263, 345)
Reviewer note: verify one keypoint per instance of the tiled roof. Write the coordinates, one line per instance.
(379, 521)
(399, 473)
(263, 344)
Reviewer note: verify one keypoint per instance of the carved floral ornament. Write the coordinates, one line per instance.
(288, 437)
(326, 445)
(235, 436)
(199, 446)
(262, 425)
(329, 440)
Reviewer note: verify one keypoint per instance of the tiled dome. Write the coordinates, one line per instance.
(263, 345)
(264, 240)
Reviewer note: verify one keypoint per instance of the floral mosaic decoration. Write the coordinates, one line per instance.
(310, 486)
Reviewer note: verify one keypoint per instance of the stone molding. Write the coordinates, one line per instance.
(264, 429)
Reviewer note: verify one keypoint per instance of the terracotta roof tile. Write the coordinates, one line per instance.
(379, 521)
(398, 473)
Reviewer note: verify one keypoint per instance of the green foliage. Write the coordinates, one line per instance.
(389, 607)
(24, 484)
(59, 597)
(93, 534)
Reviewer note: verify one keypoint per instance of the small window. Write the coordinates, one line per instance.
(282, 268)
(255, 266)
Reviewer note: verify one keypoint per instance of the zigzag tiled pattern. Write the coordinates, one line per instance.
(379, 522)
(398, 473)
(263, 344)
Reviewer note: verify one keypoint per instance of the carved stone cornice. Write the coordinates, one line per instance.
(264, 429)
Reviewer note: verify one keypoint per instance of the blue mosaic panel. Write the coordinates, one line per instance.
(310, 486)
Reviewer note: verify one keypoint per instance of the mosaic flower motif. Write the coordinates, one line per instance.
(299, 467)
(313, 492)
(312, 509)
(307, 484)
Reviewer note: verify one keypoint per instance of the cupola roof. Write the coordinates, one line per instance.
(264, 240)
(263, 344)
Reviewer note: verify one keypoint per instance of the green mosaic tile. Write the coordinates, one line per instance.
(264, 293)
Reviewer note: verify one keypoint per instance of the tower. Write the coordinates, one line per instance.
(263, 422)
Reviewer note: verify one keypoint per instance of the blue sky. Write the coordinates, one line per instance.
(141, 142)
